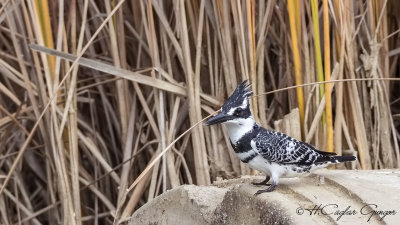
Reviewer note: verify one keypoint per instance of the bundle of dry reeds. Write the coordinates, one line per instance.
(92, 92)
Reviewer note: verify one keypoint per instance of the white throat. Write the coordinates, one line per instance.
(239, 127)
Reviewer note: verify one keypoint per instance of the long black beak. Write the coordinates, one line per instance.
(219, 118)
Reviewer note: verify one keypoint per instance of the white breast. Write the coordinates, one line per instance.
(239, 127)
(273, 169)
(260, 164)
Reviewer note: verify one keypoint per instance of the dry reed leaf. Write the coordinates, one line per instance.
(117, 124)
(96, 153)
(126, 74)
(20, 206)
(9, 94)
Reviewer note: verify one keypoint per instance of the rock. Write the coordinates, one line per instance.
(187, 204)
(325, 197)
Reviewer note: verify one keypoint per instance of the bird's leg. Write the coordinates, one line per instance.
(264, 182)
(269, 189)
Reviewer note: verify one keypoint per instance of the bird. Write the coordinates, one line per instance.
(273, 153)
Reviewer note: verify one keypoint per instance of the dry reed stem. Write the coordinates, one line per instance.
(296, 59)
(23, 147)
(132, 91)
(327, 73)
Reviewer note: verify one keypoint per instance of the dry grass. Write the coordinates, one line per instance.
(97, 97)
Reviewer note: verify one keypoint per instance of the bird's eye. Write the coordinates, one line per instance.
(238, 112)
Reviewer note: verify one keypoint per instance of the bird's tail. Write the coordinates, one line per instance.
(339, 159)
(333, 158)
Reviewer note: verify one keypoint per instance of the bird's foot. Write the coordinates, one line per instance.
(269, 189)
(264, 182)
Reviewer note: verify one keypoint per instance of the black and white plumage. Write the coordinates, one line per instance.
(273, 153)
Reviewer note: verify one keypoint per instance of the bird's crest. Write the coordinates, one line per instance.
(238, 97)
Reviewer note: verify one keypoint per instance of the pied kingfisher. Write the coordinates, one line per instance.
(273, 153)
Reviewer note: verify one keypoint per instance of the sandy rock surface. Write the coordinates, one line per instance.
(325, 197)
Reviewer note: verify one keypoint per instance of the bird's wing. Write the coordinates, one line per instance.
(283, 149)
